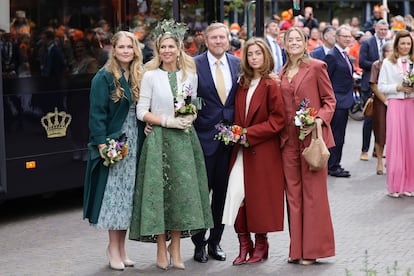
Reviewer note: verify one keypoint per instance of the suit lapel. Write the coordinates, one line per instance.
(299, 77)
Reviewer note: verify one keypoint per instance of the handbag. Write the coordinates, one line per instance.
(316, 154)
(369, 107)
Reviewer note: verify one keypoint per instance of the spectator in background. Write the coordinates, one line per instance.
(379, 116)
(52, 60)
(272, 33)
(235, 45)
(286, 21)
(20, 24)
(314, 40)
(309, 20)
(354, 52)
(340, 72)
(370, 52)
(190, 48)
(84, 62)
(200, 43)
(354, 22)
(328, 36)
(335, 22)
(376, 16)
(400, 111)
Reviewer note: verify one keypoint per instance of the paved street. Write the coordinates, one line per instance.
(48, 237)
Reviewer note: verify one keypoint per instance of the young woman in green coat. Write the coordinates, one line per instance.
(109, 188)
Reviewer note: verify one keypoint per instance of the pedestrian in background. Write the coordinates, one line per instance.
(400, 111)
(379, 107)
(109, 190)
(254, 200)
(171, 196)
(340, 71)
(306, 190)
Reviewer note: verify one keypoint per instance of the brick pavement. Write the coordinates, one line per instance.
(49, 237)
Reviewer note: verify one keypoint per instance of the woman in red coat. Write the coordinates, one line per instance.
(310, 225)
(254, 200)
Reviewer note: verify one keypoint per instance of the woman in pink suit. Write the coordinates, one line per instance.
(254, 200)
(310, 225)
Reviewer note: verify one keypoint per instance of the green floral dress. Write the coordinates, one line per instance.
(116, 208)
(172, 189)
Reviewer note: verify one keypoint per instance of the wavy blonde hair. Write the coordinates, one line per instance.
(268, 62)
(135, 67)
(184, 61)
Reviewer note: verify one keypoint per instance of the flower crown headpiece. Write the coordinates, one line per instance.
(170, 26)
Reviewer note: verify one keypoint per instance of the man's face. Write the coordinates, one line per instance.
(272, 30)
(217, 42)
(344, 38)
(381, 30)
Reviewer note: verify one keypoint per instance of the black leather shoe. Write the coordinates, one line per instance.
(340, 172)
(216, 252)
(200, 254)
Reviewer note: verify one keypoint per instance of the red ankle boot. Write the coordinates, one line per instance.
(261, 249)
(246, 244)
(246, 247)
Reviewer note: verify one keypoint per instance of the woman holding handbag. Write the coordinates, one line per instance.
(305, 80)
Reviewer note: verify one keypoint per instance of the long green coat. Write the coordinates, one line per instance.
(105, 121)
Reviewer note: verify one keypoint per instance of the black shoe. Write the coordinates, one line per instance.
(340, 172)
(216, 252)
(200, 254)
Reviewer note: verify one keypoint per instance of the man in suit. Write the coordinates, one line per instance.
(368, 54)
(328, 37)
(272, 32)
(340, 72)
(217, 73)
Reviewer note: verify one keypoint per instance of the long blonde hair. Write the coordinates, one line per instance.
(184, 61)
(305, 57)
(135, 67)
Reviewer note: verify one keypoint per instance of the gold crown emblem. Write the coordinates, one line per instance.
(56, 123)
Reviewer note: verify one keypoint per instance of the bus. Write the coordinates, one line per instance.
(44, 98)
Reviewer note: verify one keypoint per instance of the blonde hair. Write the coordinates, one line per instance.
(305, 57)
(401, 34)
(135, 67)
(185, 63)
(267, 66)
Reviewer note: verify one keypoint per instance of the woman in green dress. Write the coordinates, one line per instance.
(171, 197)
(109, 189)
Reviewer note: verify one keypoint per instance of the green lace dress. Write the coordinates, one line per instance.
(171, 190)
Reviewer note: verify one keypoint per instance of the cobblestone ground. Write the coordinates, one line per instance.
(48, 237)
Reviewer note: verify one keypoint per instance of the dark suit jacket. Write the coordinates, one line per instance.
(318, 53)
(213, 111)
(341, 79)
(368, 54)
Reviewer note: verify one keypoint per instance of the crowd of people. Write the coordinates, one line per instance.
(168, 176)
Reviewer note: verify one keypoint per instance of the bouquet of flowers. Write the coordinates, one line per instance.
(408, 78)
(231, 134)
(116, 150)
(305, 116)
(183, 105)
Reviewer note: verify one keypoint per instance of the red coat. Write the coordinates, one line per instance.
(262, 160)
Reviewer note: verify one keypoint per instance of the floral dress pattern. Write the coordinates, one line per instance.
(116, 209)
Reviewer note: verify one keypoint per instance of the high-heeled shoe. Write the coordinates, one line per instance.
(112, 264)
(177, 265)
(307, 261)
(163, 265)
(128, 262)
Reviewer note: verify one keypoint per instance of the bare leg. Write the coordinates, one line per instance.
(115, 260)
(122, 250)
(175, 251)
(380, 151)
(162, 261)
